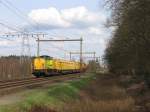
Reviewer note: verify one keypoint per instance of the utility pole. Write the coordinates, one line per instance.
(70, 56)
(81, 49)
(94, 56)
(38, 47)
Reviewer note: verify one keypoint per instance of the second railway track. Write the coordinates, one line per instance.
(6, 87)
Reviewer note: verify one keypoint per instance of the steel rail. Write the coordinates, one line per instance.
(35, 81)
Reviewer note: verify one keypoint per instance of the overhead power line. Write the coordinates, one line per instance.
(59, 48)
(5, 38)
(9, 27)
(17, 12)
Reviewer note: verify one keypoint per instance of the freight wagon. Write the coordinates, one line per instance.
(46, 66)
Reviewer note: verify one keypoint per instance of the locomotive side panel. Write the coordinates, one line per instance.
(48, 66)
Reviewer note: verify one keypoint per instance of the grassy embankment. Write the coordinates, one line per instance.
(103, 94)
(97, 93)
(54, 96)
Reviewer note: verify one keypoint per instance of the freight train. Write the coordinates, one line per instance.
(47, 66)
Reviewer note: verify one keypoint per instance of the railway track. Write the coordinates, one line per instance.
(13, 80)
(9, 86)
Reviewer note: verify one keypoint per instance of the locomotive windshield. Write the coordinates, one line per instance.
(46, 57)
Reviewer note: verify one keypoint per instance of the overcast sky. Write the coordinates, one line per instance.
(60, 19)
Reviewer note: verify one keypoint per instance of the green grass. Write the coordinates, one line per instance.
(54, 96)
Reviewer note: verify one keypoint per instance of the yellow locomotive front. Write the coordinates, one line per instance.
(39, 63)
(42, 66)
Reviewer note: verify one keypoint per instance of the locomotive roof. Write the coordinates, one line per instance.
(46, 56)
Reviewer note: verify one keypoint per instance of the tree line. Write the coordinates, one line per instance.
(128, 51)
(15, 67)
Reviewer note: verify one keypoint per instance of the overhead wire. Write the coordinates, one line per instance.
(17, 12)
(5, 38)
(7, 4)
(20, 14)
(59, 37)
(9, 27)
(57, 46)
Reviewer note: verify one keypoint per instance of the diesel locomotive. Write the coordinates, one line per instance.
(47, 66)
